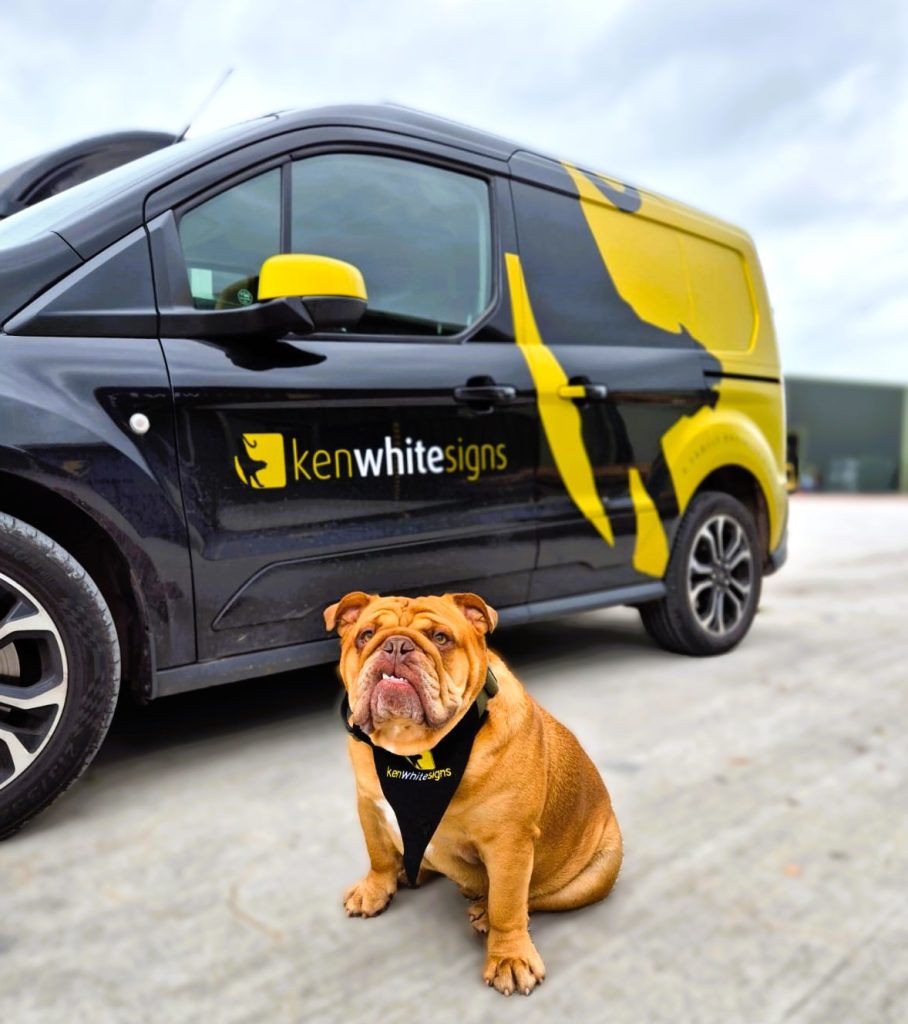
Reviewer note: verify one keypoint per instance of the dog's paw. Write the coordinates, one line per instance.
(370, 896)
(518, 971)
(478, 913)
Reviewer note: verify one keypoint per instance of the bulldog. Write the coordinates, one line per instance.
(460, 772)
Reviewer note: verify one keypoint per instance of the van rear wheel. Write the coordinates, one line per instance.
(59, 671)
(713, 579)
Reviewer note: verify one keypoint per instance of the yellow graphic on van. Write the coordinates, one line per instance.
(262, 464)
(650, 544)
(560, 418)
(676, 279)
(642, 256)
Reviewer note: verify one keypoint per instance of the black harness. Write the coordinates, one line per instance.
(419, 788)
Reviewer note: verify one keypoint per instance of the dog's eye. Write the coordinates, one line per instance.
(441, 638)
(365, 636)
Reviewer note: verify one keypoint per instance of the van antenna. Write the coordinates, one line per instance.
(204, 104)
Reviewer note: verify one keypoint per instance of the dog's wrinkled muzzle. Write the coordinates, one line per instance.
(395, 697)
(392, 684)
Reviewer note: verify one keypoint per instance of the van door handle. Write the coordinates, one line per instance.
(485, 394)
(583, 392)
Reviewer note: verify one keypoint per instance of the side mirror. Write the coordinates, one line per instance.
(296, 292)
(333, 292)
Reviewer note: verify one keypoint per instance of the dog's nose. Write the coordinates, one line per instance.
(398, 645)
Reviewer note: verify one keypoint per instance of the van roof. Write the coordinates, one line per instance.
(406, 120)
(87, 229)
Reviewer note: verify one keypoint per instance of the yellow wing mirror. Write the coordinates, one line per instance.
(333, 291)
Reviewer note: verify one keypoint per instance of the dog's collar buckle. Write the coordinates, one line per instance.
(488, 691)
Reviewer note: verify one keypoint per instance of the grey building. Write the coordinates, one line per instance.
(848, 436)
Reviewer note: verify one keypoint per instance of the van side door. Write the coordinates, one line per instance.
(610, 386)
(392, 457)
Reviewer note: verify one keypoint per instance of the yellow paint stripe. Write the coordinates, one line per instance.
(560, 419)
(651, 544)
(668, 276)
(642, 257)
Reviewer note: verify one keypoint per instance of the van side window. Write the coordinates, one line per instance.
(227, 239)
(420, 235)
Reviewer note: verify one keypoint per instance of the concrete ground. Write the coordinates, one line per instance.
(196, 872)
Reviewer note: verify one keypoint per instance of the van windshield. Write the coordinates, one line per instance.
(28, 224)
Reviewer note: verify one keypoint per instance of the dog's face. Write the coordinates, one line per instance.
(411, 665)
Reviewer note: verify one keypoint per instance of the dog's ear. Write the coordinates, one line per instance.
(347, 610)
(482, 617)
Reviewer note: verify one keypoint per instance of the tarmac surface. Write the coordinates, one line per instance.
(195, 873)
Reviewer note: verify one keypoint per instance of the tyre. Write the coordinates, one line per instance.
(712, 582)
(59, 671)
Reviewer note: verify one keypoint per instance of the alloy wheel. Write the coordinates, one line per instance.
(33, 679)
(720, 575)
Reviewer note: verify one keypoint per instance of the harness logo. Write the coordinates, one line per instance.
(417, 776)
(262, 463)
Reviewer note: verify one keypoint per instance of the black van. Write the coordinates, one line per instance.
(360, 348)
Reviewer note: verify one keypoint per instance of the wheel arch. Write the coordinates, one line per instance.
(84, 538)
(724, 450)
(743, 485)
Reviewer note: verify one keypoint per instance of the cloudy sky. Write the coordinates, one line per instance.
(787, 118)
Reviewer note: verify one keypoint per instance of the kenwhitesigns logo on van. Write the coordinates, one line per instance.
(264, 464)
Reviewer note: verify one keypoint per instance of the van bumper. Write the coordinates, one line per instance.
(777, 558)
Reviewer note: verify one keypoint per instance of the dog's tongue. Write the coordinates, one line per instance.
(395, 698)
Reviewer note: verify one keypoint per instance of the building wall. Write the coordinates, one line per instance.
(849, 436)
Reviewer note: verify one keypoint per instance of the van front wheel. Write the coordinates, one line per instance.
(59, 671)
(712, 582)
